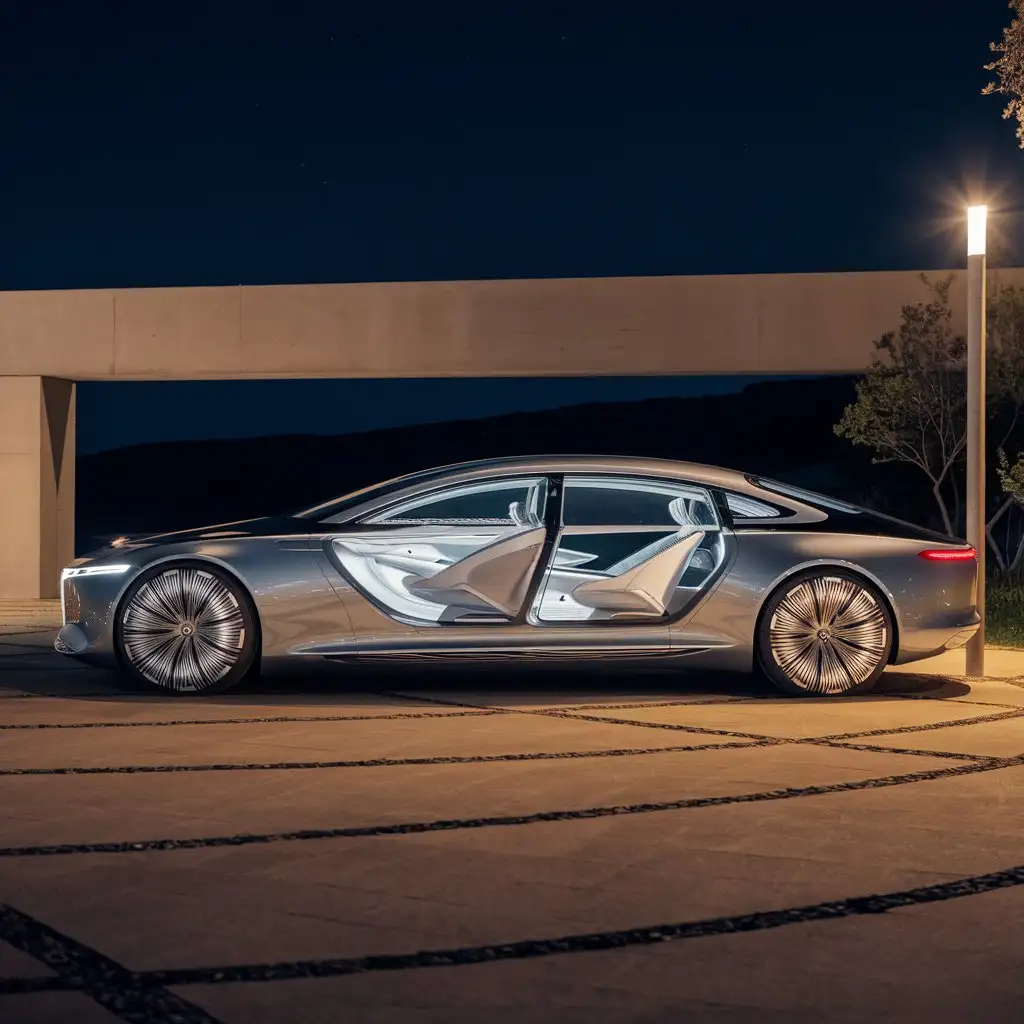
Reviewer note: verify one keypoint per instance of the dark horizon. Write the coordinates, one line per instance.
(251, 409)
(777, 428)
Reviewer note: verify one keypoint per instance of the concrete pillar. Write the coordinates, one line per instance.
(37, 484)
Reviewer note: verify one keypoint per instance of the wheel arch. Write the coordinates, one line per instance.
(170, 561)
(849, 567)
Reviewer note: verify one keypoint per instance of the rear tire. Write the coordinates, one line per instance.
(825, 633)
(187, 629)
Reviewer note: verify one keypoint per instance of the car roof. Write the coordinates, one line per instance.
(697, 472)
(543, 464)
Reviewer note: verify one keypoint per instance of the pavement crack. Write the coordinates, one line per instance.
(378, 762)
(125, 994)
(954, 723)
(831, 910)
(264, 720)
(456, 824)
(833, 740)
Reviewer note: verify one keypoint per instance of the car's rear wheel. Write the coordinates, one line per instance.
(825, 633)
(187, 629)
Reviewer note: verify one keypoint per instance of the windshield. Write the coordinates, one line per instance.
(337, 505)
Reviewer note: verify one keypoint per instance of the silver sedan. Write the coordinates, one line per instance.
(567, 557)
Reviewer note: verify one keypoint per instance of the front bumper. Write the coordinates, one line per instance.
(88, 605)
(71, 639)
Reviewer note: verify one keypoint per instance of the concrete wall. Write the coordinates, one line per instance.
(784, 323)
(802, 323)
(37, 484)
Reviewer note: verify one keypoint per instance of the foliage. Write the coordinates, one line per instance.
(1005, 379)
(911, 408)
(1004, 610)
(911, 404)
(1009, 68)
(1005, 347)
(1012, 477)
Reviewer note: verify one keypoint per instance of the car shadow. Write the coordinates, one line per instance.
(539, 684)
(30, 667)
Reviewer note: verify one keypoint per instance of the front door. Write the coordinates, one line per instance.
(584, 564)
(463, 555)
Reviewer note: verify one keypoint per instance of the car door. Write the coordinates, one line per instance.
(464, 554)
(631, 554)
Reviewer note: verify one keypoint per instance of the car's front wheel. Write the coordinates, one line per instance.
(186, 628)
(825, 633)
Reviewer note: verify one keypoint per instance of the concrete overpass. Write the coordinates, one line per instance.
(757, 324)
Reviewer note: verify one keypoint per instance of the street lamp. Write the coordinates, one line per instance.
(977, 217)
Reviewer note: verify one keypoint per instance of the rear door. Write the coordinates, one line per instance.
(631, 554)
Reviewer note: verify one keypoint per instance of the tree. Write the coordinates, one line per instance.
(1009, 68)
(1006, 383)
(911, 405)
(1012, 479)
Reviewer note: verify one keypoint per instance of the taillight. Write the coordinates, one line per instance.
(949, 554)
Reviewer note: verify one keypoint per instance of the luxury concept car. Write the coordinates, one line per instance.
(564, 557)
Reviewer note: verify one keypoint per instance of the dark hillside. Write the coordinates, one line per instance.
(781, 429)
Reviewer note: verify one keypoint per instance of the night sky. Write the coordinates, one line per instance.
(222, 143)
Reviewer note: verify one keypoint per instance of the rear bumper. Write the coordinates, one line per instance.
(926, 643)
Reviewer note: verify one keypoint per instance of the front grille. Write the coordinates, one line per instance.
(71, 603)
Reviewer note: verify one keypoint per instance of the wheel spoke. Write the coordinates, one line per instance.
(828, 634)
(183, 629)
(799, 605)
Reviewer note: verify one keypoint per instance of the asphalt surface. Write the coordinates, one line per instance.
(461, 846)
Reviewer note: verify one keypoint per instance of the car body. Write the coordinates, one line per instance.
(561, 557)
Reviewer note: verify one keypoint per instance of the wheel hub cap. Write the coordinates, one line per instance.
(183, 629)
(828, 634)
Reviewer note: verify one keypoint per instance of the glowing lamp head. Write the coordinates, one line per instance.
(964, 554)
(977, 216)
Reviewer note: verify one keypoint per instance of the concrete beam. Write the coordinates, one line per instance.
(776, 323)
(37, 484)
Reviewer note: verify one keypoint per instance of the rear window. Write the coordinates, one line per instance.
(810, 497)
(742, 507)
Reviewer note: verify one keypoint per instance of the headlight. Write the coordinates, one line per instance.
(85, 570)
(93, 570)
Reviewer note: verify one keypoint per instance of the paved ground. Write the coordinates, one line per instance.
(465, 847)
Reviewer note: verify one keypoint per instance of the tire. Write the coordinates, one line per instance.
(187, 629)
(825, 633)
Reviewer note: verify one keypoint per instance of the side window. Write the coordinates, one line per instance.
(743, 507)
(515, 502)
(464, 553)
(621, 501)
(629, 548)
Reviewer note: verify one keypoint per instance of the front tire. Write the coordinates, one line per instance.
(187, 629)
(825, 633)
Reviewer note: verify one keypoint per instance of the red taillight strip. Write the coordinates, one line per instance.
(949, 554)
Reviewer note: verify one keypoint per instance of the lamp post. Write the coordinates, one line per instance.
(976, 222)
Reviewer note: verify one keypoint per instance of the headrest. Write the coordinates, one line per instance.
(678, 511)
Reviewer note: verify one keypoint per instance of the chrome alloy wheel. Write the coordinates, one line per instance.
(183, 629)
(828, 634)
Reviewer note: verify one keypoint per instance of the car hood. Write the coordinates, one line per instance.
(261, 527)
